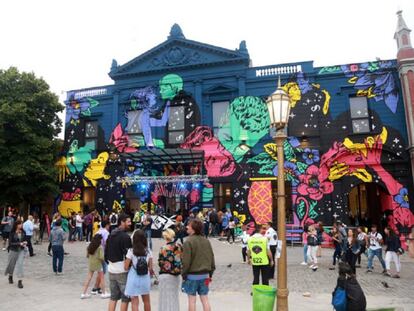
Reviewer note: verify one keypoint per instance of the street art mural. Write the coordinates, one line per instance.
(320, 174)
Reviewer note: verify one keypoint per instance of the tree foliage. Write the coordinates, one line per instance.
(29, 125)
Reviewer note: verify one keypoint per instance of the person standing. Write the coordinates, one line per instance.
(271, 236)
(179, 229)
(56, 238)
(342, 236)
(319, 234)
(28, 227)
(7, 223)
(147, 223)
(72, 227)
(353, 249)
(245, 236)
(95, 256)
(17, 245)
(337, 244)
(104, 233)
(312, 248)
(305, 245)
(231, 228)
(36, 229)
(392, 253)
(88, 221)
(79, 225)
(139, 263)
(259, 254)
(117, 246)
(169, 261)
(198, 265)
(375, 249)
(362, 240)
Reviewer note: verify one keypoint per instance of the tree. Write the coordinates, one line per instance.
(29, 125)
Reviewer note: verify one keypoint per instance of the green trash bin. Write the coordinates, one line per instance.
(264, 297)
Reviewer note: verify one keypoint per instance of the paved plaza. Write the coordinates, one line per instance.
(230, 289)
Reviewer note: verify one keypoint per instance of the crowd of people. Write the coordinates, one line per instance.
(186, 260)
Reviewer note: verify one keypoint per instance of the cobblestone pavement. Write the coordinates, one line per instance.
(230, 289)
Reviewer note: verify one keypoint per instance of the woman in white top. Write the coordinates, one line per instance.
(139, 263)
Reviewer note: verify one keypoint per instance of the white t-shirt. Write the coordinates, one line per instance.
(79, 221)
(244, 238)
(134, 259)
(271, 235)
(374, 238)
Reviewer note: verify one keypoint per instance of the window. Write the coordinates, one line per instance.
(134, 128)
(91, 133)
(222, 196)
(220, 115)
(176, 125)
(359, 115)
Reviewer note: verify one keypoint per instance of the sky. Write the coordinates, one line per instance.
(71, 44)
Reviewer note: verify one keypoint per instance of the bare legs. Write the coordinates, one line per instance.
(145, 300)
(192, 303)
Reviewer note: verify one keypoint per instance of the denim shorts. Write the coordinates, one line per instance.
(193, 288)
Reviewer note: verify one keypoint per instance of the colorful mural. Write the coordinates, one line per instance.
(324, 158)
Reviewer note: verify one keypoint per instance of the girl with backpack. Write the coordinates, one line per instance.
(139, 263)
(95, 256)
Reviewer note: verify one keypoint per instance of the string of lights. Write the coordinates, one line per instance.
(163, 179)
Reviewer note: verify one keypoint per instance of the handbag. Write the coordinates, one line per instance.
(400, 251)
(339, 299)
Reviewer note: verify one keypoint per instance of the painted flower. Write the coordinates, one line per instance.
(313, 185)
(310, 156)
(293, 141)
(291, 172)
(402, 198)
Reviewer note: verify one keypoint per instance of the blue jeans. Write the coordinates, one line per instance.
(371, 254)
(305, 253)
(79, 233)
(57, 258)
(148, 236)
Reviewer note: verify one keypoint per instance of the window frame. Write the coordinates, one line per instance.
(169, 131)
(359, 118)
(216, 127)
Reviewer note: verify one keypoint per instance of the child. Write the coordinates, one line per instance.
(139, 263)
(244, 238)
(312, 248)
(95, 256)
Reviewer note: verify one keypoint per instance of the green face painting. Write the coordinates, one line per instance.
(170, 85)
(248, 123)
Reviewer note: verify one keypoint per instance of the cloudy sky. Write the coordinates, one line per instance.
(71, 43)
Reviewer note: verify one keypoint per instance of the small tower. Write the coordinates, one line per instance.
(405, 59)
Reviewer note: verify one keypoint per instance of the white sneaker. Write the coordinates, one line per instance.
(4, 248)
(85, 296)
(105, 295)
(303, 263)
(311, 266)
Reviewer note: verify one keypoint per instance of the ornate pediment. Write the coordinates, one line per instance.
(178, 52)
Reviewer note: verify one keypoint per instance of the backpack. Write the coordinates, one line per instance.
(113, 219)
(142, 265)
(339, 299)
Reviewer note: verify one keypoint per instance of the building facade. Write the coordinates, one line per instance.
(186, 110)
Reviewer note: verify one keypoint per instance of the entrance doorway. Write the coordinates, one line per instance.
(365, 203)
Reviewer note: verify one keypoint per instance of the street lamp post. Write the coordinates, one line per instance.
(278, 105)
